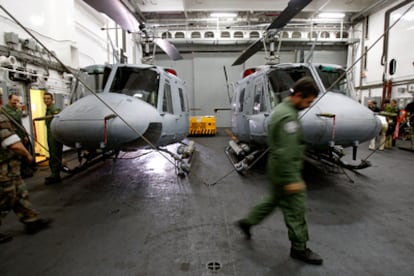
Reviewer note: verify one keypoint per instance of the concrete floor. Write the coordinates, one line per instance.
(138, 218)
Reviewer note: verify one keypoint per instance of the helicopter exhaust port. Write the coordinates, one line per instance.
(182, 158)
(239, 149)
(240, 156)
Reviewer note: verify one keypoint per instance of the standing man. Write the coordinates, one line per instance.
(55, 147)
(410, 116)
(13, 192)
(374, 108)
(15, 115)
(391, 112)
(284, 167)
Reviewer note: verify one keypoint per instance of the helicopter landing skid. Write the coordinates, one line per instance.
(335, 158)
(92, 158)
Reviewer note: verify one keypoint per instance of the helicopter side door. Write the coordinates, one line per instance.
(239, 120)
(183, 111)
(261, 108)
(173, 108)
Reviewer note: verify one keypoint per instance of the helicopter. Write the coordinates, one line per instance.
(126, 107)
(333, 122)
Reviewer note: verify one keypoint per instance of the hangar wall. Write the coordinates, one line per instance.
(372, 72)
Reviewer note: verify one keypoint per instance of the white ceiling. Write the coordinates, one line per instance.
(163, 11)
(248, 5)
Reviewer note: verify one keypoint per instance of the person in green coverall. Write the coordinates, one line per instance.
(284, 166)
(55, 147)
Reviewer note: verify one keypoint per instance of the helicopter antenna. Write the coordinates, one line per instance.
(227, 83)
(310, 56)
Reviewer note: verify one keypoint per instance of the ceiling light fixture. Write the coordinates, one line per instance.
(331, 15)
(223, 14)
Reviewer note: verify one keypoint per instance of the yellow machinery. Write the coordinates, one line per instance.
(202, 125)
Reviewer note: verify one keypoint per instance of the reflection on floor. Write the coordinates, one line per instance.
(135, 217)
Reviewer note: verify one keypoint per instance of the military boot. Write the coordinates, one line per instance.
(5, 238)
(245, 228)
(37, 225)
(307, 256)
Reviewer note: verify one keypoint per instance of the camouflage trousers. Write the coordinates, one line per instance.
(13, 193)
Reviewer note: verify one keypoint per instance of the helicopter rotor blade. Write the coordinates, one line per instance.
(168, 48)
(118, 12)
(253, 49)
(293, 8)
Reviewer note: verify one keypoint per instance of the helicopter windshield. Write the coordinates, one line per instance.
(140, 83)
(91, 78)
(333, 78)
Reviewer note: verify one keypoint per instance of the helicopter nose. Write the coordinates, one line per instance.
(337, 119)
(89, 123)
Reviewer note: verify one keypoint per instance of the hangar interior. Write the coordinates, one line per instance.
(133, 215)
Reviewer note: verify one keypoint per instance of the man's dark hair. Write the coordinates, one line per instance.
(11, 96)
(306, 86)
(48, 94)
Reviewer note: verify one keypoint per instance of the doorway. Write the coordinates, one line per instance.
(38, 109)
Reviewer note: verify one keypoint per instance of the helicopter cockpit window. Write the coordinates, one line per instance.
(272, 97)
(167, 105)
(282, 80)
(330, 75)
(138, 83)
(259, 104)
(241, 101)
(182, 99)
(94, 77)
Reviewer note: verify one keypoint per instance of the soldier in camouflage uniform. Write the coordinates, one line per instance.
(14, 114)
(13, 192)
(285, 163)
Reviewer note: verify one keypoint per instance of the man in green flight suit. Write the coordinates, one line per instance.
(55, 147)
(284, 168)
(14, 114)
(13, 192)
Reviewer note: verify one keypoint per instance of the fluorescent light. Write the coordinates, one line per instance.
(223, 14)
(331, 15)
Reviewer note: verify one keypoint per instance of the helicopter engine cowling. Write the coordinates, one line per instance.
(121, 128)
